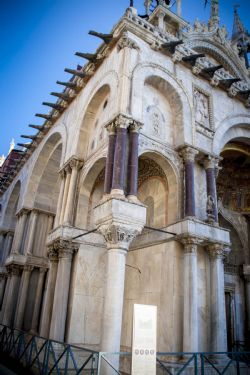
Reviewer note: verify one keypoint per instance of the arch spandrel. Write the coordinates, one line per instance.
(175, 93)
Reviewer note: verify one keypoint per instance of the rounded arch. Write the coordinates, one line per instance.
(9, 215)
(230, 128)
(100, 106)
(174, 92)
(91, 178)
(169, 179)
(43, 182)
(221, 53)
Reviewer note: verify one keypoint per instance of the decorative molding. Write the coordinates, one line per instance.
(126, 42)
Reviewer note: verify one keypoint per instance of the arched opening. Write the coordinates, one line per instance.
(9, 220)
(90, 193)
(92, 133)
(233, 192)
(162, 110)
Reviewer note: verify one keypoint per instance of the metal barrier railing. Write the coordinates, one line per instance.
(46, 356)
(180, 363)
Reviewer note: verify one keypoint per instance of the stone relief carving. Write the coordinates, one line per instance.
(125, 41)
(201, 106)
(155, 119)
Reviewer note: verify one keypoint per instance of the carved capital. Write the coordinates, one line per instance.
(136, 126)
(246, 272)
(75, 163)
(64, 248)
(188, 154)
(28, 268)
(217, 251)
(42, 270)
(190, 244)
(118, 236)
(122, 121)
(126, 42)
(13, 270)
(210, 162)
(110, 128)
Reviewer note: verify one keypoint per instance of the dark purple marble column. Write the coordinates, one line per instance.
(210, 164)
(133, 159)
(118, 181)
(188, 155)
(110, 160)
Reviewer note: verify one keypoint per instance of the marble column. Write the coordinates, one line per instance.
(32, 231)
(38, 300)
(8, 244)
(188, 154)
(49, 293)
(217, 299)
(122, 123)
(190, 284)
(22, 296)
(110, 158)
(19, 231)
(65, 192)
(133, 159)
(2, 287)
(10, 295)
(75, 165)
(2, 241)
(60, 199)
(210, 164)
(60, 304)
(119, 222)
(246, 273)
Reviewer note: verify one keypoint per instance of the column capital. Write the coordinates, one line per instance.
(42, 270)
(13, 269)
(246, 272)
(118, 236)
(210, 161)
(188, 153)
(136, 126)
(120, 121)
(75, 163)
(217, 251)
(190, 244)
(28, 268)
(22, 211)
(71, 163)
(64, 248)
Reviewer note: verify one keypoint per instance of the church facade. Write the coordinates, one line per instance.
(136, 190)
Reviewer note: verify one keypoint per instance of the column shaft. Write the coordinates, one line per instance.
(19, 232)
(60, 199)
(8, 245)
(118, 181)
(65, 195)
(113, 302)
(38, 300)
(217, 303)
(68, 216)
(32, 231)
(247, 292)
(49, 295)
(22, 297)
(10, 297)
(188, 155)
(190, 310)
(211, 190)
(60, 304)
(133, 163)
(110, 161)
(2, 287)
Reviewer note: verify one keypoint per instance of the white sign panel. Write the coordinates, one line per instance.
(144, 340)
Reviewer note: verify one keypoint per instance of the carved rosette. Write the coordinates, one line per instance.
(118, 236)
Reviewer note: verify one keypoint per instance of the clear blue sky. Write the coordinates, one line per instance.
(38, 40)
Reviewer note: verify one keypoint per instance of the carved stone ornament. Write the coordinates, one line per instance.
(62, 248)
(118, 236)
(190, 244)
(120, 121)
(126, 42)
(188, 154)
(201, 107)
(217, 251)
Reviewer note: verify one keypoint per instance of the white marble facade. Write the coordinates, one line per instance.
(82, 291)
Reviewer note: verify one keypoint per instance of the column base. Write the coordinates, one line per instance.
(117, 193)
